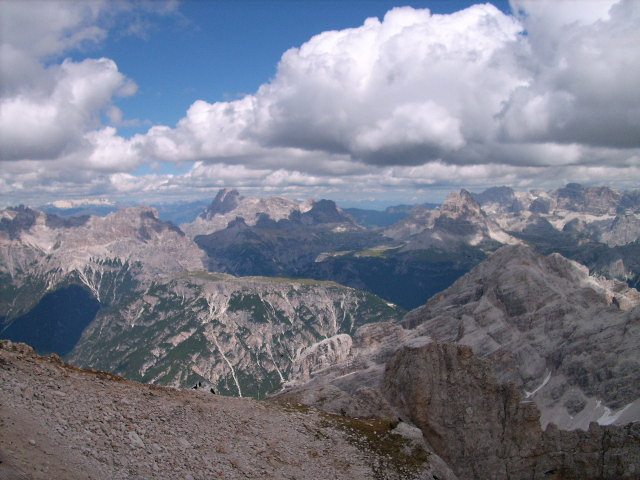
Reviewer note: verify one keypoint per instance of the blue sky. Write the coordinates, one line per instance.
(165, 100)
(220, 50)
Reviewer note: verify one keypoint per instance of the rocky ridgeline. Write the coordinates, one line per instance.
(601, 214)
(238, 335)
(60, 422)
(41, 252)
(229, 205)
(460, 220)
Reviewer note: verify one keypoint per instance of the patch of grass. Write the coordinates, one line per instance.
(383, 251)
(371, 435)
(393, 452)
(202, 275)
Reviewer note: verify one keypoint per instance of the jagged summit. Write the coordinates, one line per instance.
(460, 220)
(229, 205)
(226, 200)
(496, 199)
(461, 204)
(596, 200)
(324, 211)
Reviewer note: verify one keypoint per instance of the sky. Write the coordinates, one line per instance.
(366, 102)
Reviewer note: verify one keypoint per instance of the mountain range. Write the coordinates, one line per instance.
(523, 317)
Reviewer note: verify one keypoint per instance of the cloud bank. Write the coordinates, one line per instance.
(478, 97)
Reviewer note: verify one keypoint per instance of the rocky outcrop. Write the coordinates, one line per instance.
(321, 355)
(550, 328)
(483, 430)
(568, 341)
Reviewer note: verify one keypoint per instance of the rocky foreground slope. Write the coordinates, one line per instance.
(60, 422)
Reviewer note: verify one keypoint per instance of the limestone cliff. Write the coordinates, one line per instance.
(483, 429)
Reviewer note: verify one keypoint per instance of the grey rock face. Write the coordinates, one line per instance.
(595, 200)
(565, 337)
(498, 199)
(478, 427)
(624, 229)
(483, 430)
(225, 201)
(568, 341)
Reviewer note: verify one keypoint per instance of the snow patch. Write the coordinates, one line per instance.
(609, 416)
(540, 387)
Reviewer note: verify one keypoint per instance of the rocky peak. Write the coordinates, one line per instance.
(229, 204)
(225, 201)
(461, 205)
(595, 200)
(39, 243)
(324, 211)
(631, 201)
(535, 317)
(498, 199)
(141, 223)
(15, 220)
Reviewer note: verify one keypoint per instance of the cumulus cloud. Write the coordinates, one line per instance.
(415, 100)
(405, 90)
(548, 86)
(51, 107)
(43, 123)
(585, 68)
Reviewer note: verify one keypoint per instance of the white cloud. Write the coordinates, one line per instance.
(585, 67)
(402, 91)
(51, 108)
(413, 101)
(44, 123)
(467, 88)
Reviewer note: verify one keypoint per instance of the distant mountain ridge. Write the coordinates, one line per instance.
(518, 362)
(117, 257)
(129, 293)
